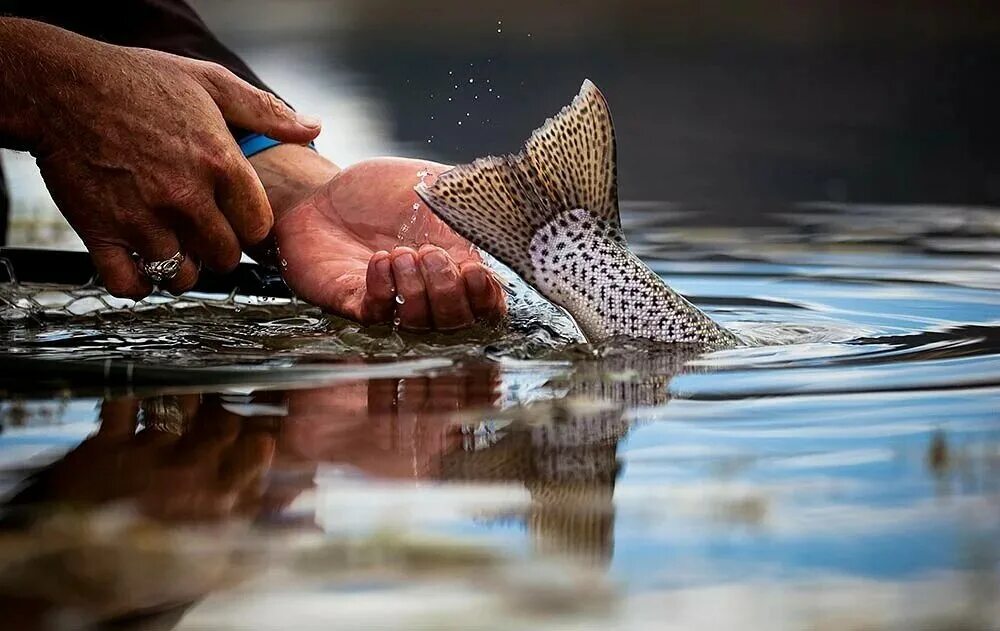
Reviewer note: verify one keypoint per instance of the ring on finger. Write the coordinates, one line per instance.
(159, 271)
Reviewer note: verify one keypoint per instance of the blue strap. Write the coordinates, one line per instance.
(255, 143)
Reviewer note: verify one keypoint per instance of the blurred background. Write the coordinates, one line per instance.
(734, 108)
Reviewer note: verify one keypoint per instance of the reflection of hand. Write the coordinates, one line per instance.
(340, 251)
(211, 471)
(395, 428)
(134, 147)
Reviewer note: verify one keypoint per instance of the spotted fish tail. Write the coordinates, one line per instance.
(569, 163)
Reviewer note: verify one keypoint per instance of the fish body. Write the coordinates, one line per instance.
(551, 213)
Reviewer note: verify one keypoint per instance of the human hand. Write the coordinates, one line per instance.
(134, 147)
(205, 464)
(340, 249)
(387, 428)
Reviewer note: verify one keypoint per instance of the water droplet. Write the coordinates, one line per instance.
(470, 80)
(459, 122)
(432, 118)
(529, 34)
(428, 141)
(466, 114)
(450, 72)
(399, 299)
(284, 263)
(499, 30)
(491, 89)
(416, 206)
(449, 99)
(476, 97)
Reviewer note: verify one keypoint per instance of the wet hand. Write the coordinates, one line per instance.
(134, 147)
(340, 250)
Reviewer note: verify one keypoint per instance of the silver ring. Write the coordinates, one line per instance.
(159, 271)
(163, 414)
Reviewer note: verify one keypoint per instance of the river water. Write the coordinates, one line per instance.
(213, 464)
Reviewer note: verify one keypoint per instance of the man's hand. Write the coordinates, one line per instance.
(364, 237)
(134, 147)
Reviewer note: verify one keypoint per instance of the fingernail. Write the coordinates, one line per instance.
(382, 267)
(307, 121)
(405, 263)
(436, 262)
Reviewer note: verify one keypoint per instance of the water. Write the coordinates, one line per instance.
(270, 467)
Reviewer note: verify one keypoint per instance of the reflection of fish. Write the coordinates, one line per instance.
(551, 213)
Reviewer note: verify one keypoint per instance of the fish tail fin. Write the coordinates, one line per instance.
(568, 163)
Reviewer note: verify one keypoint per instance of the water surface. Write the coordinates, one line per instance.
(223, 465)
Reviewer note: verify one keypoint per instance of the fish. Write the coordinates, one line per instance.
(550, 213)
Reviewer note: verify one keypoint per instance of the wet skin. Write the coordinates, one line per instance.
(341, 247)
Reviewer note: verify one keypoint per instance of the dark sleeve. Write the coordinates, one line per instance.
(170, 26)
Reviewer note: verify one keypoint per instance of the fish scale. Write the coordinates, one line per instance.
(551, 213)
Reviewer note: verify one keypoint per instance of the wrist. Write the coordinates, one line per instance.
(290, 174)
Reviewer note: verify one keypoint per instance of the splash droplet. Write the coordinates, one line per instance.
(399, 299)
(396, 321)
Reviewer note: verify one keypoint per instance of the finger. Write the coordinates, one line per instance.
(161, 244)
(245, 106)
(380, 293)
(210, 238)
(119, 419)
(242, 200)
(119, 273)
(445, 290)
(447, 393)
(486, 297)
(247, 460)
(414, 311)
(412, 395)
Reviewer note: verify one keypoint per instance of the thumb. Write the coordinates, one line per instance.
(243, 105)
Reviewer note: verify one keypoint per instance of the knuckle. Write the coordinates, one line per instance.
(214, 72)
(181, 195)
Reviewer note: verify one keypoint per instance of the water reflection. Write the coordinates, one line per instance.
(585, 496)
